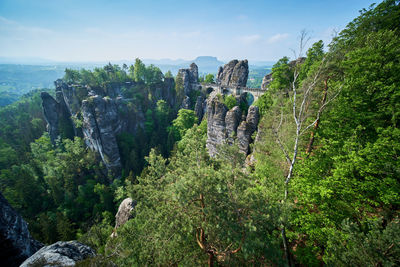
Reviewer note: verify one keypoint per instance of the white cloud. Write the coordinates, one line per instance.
(277, 38)
(250, 39)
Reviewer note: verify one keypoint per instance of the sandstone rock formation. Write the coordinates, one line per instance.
(124, 213)
(233, 74)
(57, 116)
(232, 121)
(60, 254)
(227, 126)
(189, 78)
(216, 112)
(103, 114)
(199, 107)
(266, 81)
(16, 243)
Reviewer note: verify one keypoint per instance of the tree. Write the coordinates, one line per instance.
(139, 71)
(168, 74)
(230, 101)
(209, 78)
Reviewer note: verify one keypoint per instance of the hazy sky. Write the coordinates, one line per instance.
(101, 30)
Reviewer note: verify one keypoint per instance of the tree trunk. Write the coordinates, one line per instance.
(316, 125)
(210, 259)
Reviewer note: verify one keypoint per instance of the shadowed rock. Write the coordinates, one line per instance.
(232, 121)
(16, 243)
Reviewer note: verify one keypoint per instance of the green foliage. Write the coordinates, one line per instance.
(209, 78)
(282, 75)
(168, 74)
(139, 71)
(185, 120)
(192, 193)
(230, 101)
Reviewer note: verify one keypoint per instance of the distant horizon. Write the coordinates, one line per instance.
(35, 61)
(103, 30)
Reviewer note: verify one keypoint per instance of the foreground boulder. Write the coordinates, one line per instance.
(60, 254)
(16, 243)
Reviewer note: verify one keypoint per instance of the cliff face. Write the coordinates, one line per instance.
(102, 114)
(16, 243)
(226, 126)
(234, 74)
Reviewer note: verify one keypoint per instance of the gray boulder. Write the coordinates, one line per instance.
(60, 254)
(16, 243)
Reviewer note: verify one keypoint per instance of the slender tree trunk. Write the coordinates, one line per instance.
(210, 259)
(316, 125)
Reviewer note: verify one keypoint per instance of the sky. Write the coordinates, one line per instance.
(107, 30)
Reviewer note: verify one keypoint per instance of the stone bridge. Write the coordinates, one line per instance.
(233, 90)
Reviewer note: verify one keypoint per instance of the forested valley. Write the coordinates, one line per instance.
(318, 182)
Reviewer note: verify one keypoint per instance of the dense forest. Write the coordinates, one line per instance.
(321, 186)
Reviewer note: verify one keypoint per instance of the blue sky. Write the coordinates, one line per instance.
(107, 30)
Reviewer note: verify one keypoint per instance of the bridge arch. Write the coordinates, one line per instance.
(248, 97)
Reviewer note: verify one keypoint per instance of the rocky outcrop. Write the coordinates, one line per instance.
(232, 121)
(60, 254)
(266, 81)
(103, 114)
(199, 107)
(166, 91)
(100, 126)
(227, 126)
(16, 243)
(247, 128)
(57, 116)
(189, 78)
(216, 112)
(124, 213)
(233, 74)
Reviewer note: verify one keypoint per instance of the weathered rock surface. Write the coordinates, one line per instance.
(16, 243)
(60, 254)
(266, 81)
(232, 121)
(104, 114)
(225, 126)
(100, 125)
(247, 128)
(216, 112)
(190, 78)
(124, 212)
(234, 73)
(57, 116)
(199, 107)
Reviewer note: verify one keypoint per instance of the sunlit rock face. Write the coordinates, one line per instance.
(234, 73)
(60, 254)
(124, 213)
(16, 243)
(103, 114)
(228, 126)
